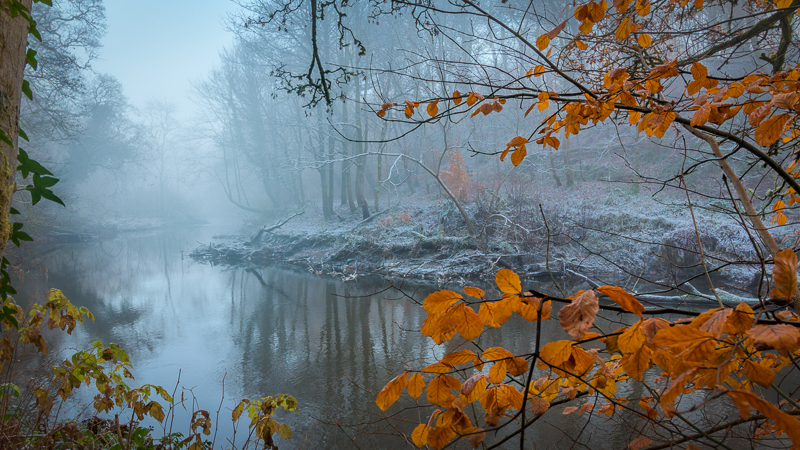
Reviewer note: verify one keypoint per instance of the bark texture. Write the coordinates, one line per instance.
(13, 40)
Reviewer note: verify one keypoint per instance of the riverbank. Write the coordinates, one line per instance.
(427, 240)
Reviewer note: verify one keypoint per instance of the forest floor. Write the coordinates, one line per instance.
(611, 238)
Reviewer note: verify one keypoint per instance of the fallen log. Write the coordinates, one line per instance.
(264, 229)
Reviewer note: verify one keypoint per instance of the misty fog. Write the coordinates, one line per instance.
(258, 201)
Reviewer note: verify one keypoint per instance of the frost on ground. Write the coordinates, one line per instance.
(590, 231)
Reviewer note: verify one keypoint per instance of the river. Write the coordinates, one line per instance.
(266, 331)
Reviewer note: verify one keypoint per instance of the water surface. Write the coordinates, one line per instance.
(252, 332)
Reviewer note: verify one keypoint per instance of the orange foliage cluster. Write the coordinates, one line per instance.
(763, 107)
(724, 351)
(455, 175)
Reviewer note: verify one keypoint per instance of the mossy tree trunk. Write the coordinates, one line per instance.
(13, 40)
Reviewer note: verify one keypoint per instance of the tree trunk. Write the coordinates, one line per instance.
(347, 185)
(553, 169)
(329, 167)
(361, 161)
(568, 163)
(13, 40)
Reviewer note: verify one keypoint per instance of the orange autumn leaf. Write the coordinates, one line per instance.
(699, 71)
(416, 384)
(741, 319)
(468, 324)
(784, 275)
(543, 41)
(433, 108)
(494, 314)
(507, 280)
(632, 339)
(637, 362)
(496, 354)
(668, 397)
(438, 438)
(645, 40)
(473, 382)
(627, 301)
(420, 435)
(391, 392)
(439, 301)
(518, 155)
(474, 292)
(456, 97)
(758, 373)
(438, 391)
(459, 357)
(577, 317)
(555, 353)
(680, 335)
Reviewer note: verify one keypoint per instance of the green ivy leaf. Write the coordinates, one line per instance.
(30, 57)
(5, 138)
(26, 89)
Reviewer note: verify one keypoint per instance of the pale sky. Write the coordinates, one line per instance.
(155, 48)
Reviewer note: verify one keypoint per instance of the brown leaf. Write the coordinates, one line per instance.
(554, 32)
(713, 321)
(778, 337)
(651, 326)
(637, 362)
(667, 400)
(758, 373)
(477, 437)
(759, 114)
(577, 317)
(784, 275)
(570, 410)
(771, 129)
(539, 405)
(741, 319)
(788, 424)
(639, 443)
(623, 299)
(699, 71)
(785, 100)
(701, 116)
